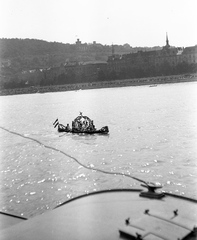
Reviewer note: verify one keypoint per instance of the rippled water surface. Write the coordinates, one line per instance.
(153, 136)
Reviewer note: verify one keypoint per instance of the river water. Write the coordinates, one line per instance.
(152, 136)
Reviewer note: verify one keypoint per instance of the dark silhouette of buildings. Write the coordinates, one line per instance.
(164, 61)
(168, 60)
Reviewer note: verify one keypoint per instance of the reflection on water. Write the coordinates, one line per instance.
(153, 133)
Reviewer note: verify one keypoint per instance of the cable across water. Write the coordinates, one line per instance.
(75, 159)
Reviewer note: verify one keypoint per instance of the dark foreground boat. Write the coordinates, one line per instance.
(111, 214)
(81, 124)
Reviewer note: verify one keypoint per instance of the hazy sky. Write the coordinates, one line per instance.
(136, 22)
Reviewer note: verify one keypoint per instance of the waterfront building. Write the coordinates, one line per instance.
(74, 72)
(167, 60)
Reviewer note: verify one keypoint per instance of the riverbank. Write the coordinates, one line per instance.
(152, 81)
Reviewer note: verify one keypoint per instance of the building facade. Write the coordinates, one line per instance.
(168, 59)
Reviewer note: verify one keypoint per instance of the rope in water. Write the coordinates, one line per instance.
(83, 165)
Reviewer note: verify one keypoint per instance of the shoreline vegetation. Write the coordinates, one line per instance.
(152, 81)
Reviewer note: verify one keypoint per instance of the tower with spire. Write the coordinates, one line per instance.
(167, 41)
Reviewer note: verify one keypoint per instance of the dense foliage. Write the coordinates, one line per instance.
(32, 53)
(30, 62)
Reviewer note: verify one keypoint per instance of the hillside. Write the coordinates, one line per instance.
(22, 61)
(26, 54)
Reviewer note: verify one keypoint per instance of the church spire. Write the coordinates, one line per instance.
(167, 41)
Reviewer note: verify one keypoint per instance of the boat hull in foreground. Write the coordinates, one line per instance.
(112, 214)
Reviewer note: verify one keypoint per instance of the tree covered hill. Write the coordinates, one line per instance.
(31, 62)
(18, 57)
(11, 48)
(25, 54)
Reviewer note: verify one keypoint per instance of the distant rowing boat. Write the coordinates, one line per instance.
(81, 125)
(103, 130)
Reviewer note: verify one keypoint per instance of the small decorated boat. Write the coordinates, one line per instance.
(81, 124)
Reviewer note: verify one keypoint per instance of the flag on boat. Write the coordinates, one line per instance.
(56, 123)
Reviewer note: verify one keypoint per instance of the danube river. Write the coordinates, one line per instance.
(152, 136)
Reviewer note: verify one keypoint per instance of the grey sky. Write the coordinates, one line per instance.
(136, 22)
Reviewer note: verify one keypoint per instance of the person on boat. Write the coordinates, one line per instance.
(68, 127)
(91, 126)
(75, 126)
(85, 124)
